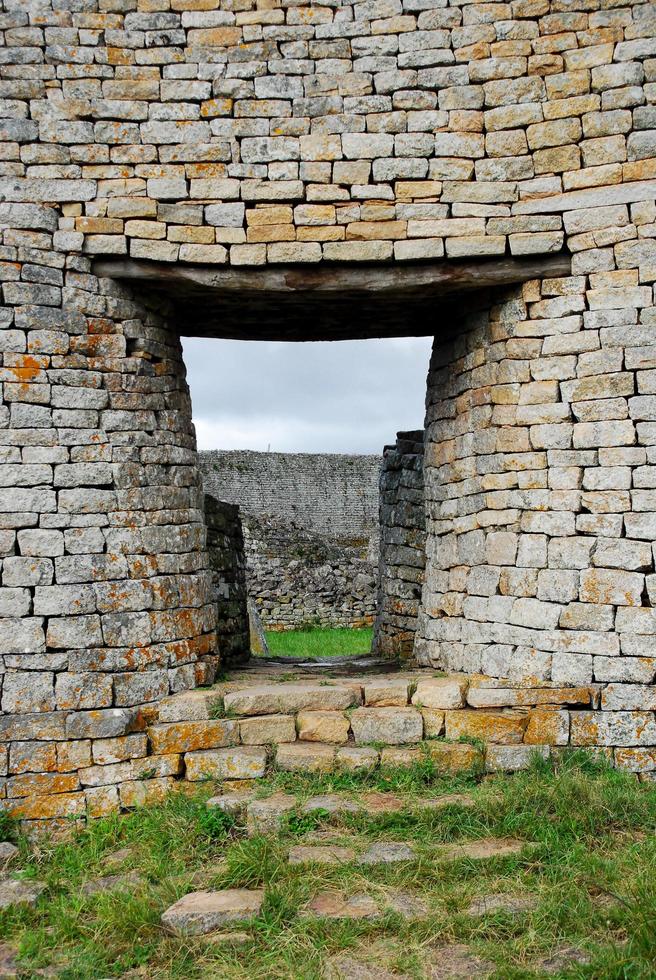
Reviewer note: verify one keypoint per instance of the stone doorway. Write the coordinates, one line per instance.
(328, 303)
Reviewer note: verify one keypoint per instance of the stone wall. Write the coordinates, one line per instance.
(298, 578)
(332, 494)
(227, 561)
(106, 593)
(539, 484)
(246, 134)
(402, 545)
(311, 527)
(249, 133)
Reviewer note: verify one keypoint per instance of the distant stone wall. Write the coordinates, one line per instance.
(402, 545)
(297, 577)
(335, 495)
(225, 547)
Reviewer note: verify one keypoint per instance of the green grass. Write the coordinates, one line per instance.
(590, 862)
(317, 643)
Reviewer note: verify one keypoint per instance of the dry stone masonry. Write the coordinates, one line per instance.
(402, 545)
(227, 561)
(297, 578)
(319, 140)
(333, 494)
(311, 532)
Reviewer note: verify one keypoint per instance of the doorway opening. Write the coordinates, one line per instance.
(296, 436)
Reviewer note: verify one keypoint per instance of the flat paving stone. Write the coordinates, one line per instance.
(449, 799)
(320, 854)
(513, 904)
(451, 962)
(348, 968)
(266, 816)
(407, 904)
(332, 803)
(479, 850)
(19, 891)
(269, 699)
(8, 854)
(199, 913)
(376, 802)
(387, 852)
(562, 959)
(330, 905)
(233, 803)
(110, 883)
(9, 968)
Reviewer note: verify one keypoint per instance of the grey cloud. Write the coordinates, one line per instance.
(350, 396)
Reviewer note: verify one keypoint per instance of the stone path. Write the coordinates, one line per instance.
(8, 854)
(387, 852)
(266, 815)
(204, 912)
(512, 904)
(480, 850)
(17, 891)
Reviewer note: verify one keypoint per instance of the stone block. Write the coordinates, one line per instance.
(323, 726)
(450, 758)
(188, 736)
(395, 726)
(495, 727)
(242, 762)
(290, 698)
(267, 730)
(441, 692)
(305, 757)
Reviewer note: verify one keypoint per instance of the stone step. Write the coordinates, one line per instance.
(266, 815)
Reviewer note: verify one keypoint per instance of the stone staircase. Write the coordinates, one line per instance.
(238, 729)
(263, 718)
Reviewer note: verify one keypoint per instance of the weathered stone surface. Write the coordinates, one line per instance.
(305, 757)
(386, 693)
(200, 913)
(129, 882)
(510, 904)
(329, 905)
(396, 726)
(267, 729)
(19, 891)
(278, 699)
(320, 854)
(480, 850)
(449, 962)
(242, 762)
(387, 852)
(266, 816)
(505, 727)
(8, 854)
(449, 757)
(323, 726)
(331, 803)
(357, 758)
(440, 692)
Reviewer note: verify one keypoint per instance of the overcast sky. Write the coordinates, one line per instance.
(347, 396)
